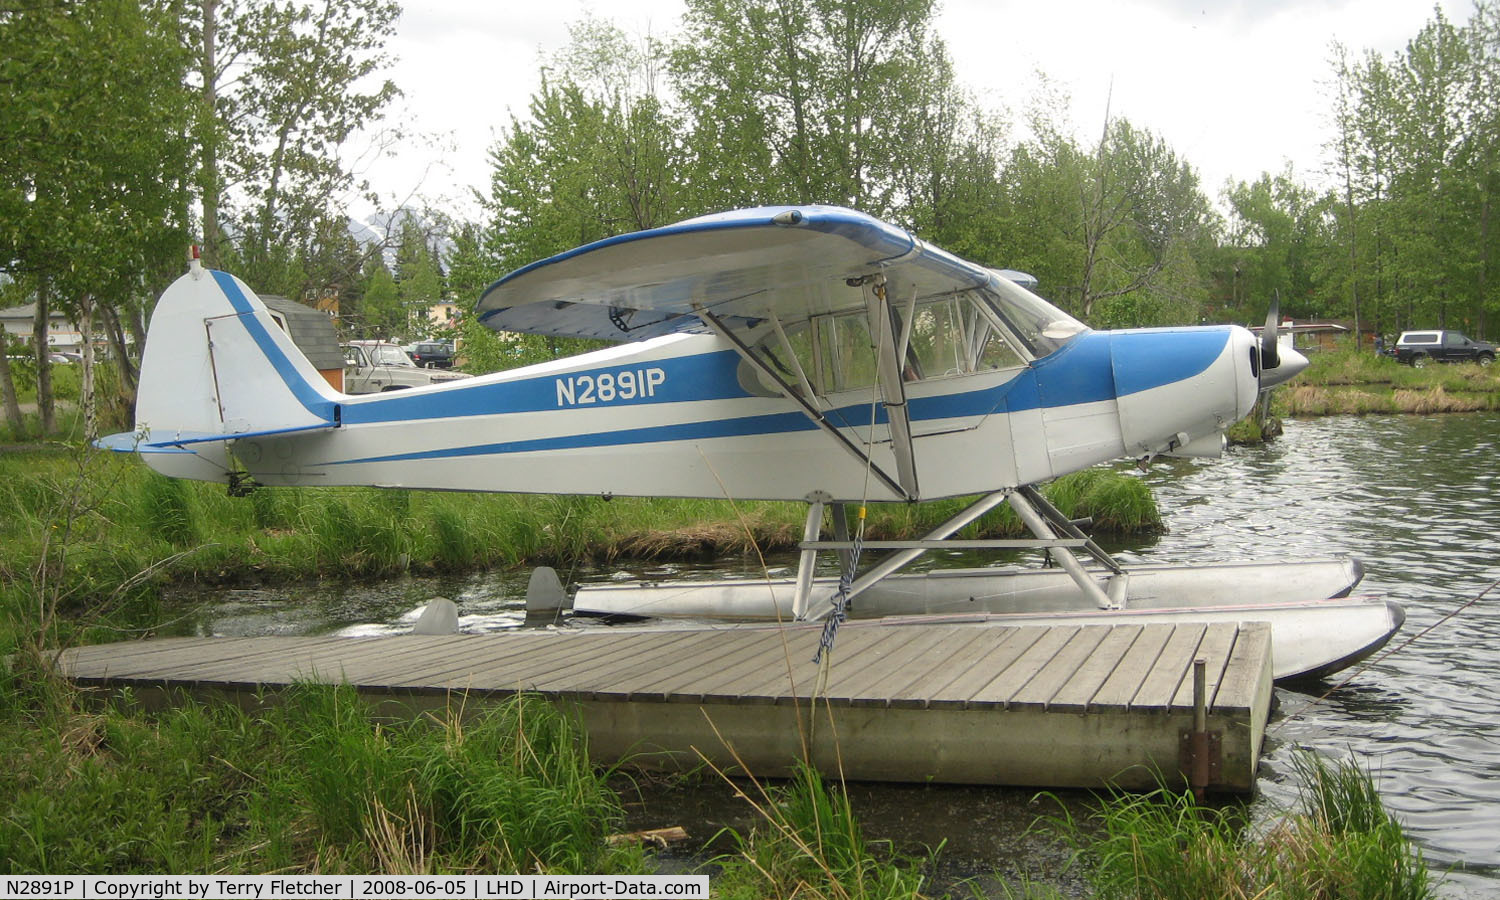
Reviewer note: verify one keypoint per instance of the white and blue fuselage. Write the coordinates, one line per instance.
(681, 415)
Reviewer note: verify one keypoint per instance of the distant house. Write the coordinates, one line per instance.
(443, 313)
(62, 334)
(313, 333)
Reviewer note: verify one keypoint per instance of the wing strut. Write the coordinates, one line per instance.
(892, 390)
(811, 411)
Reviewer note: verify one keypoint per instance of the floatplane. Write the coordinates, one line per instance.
(805, 353)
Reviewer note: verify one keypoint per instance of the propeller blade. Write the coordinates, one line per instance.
(1270, 353)
(1276, 364)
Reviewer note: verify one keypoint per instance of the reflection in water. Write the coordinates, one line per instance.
(1413, 497)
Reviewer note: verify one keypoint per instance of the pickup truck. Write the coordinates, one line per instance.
(1418, 348)
(374, 366)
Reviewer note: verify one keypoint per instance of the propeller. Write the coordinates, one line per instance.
(1276, 364)
(1270, 353)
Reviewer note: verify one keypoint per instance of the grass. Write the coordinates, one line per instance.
(125, 519)
(1346, 382)
(312, 783)
(1341, 844)
(808, 844)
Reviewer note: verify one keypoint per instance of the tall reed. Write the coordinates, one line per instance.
(1341, 845)
(809, 844)
(167, 511)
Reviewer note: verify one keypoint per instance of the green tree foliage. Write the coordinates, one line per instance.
(808, 101)
(802, 101)
(1272, 245)
(92, 161)
(598, 156)
(855, 104)
(282, 86)
(1417, 151)
(420, 270)
(380, 313)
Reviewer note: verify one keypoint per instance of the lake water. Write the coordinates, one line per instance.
(1416, 498)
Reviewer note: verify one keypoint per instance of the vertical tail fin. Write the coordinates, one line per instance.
(217, 367)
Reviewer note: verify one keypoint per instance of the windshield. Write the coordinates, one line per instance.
(1041, 326)
(390, 355)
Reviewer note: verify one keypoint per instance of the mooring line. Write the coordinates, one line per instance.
(1384, 656)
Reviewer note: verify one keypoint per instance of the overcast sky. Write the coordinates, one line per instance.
(1236, 87)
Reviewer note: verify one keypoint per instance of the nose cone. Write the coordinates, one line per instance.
(1288, 366)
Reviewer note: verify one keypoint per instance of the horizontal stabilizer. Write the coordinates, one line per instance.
(132, 441)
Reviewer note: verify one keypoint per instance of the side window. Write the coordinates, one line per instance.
(844, 348)
(952, 335)
(833, 352)
(955, 336)
(353, 357)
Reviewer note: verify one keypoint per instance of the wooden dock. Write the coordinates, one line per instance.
(1061, 706)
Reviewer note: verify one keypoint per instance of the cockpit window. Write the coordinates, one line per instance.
(1042, 327)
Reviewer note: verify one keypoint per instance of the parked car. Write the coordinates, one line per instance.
(1418, 348)
(374, 366)
(432, 354)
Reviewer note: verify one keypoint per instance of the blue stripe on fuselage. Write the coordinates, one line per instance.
(702, 376)
(1152, 357)
(775, 423)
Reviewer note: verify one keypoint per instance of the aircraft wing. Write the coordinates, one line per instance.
(741, 266)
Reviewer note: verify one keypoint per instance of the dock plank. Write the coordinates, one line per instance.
(1240, 686)
(992, 665)
(862, 650)
(504, 666)
(1061, 670)
(597, 678)
(1214, 649)
(210, 661)
(999, 691)
(903, 687)
(415, 658)
(1125, 681)
(785, 658)
(1173, 667)
(1079, 692)
(327, 658)
(846, 680)
(661, 683)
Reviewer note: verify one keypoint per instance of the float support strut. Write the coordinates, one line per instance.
(1039, 527)
(896, 561)
(811, 531)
